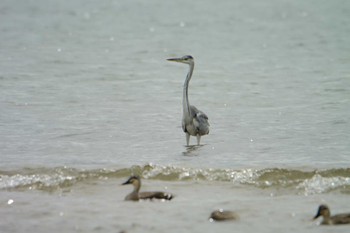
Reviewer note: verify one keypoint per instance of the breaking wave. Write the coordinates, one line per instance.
(303, 182)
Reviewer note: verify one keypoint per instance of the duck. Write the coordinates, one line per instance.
(323, 210)
(223, 215)
(136, 195)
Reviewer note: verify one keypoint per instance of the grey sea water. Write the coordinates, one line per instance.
(87, 98)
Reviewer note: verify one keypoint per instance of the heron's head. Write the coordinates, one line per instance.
(187, 59)
(134, 180)
(323, 210)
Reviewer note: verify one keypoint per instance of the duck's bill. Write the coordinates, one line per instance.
(126, 182)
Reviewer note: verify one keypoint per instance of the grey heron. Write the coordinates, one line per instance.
(194, 121)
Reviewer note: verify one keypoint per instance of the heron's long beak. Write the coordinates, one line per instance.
(174, 59)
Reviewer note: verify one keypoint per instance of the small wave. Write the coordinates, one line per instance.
(303, 182)
(320, 184)
(51, 179)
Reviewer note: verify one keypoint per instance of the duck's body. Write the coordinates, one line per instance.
(136, 195)
(324, 211)
(223, 215)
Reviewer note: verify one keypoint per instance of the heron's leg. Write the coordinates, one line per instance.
(187, 139)
(198, 139)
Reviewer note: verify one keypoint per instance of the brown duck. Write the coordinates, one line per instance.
(324, 211)
(136, 195)
(223, 215)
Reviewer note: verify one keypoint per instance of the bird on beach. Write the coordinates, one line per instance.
(324, 211)
(194, 122)
(223, 215)
(136, 195)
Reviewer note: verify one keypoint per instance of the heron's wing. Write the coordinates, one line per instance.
(200, 121)
(202, 115)
(194, 111)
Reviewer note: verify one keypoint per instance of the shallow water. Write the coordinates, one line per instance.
(97, 206)
(87, 98)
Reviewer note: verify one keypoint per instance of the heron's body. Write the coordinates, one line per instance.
(324, 211)
(194, 122)
(136, 195)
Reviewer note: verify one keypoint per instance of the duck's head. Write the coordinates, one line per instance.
(323, 210)
(134, 180)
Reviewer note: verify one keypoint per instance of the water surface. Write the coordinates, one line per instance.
(87, 98)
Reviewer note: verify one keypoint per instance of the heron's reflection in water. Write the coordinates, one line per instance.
(192, 150)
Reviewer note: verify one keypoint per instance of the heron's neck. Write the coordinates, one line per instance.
(185, 102)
